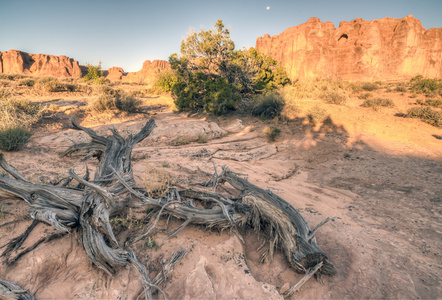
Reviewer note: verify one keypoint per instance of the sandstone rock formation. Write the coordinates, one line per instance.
(148, 72)
(18, 62)
(114, 73)
(385, 49)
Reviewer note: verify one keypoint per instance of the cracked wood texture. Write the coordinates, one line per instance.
(88, 207)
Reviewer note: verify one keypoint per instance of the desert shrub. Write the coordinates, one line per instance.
(49, 85)
(202, 139)
(267, 106)
(16, 117)
(4, 94)
(377, 103)
(14, 138)
(370, 86)
(71, 87)
(365, 96)
(94, 72)
(317, 115)
(111, 99)
(101, 80)
(220, 96)
(165, 80)
(290, 111)
(430, 102)
(334, 97)
(10, 77)
(26, 82)
(355, 87)
(157, 181)
(272, 133)
(19, 113)
(400, 89)
(422, 85)
(426, 114)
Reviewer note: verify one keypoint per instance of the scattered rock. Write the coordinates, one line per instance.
(284, 288)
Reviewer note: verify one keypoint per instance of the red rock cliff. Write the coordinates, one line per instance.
(385, 49)
(18, 62)
(148, 72)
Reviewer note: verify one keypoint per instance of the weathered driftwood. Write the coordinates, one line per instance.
(10, 290)
(89, 205)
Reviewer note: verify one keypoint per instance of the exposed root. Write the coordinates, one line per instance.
(10, 290)
(309, 273)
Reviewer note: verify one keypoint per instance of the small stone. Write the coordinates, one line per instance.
(284, 288)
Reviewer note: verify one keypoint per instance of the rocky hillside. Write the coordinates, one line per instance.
(18, 62)
(385, 49)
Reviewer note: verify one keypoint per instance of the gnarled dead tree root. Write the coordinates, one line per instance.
(88, 206)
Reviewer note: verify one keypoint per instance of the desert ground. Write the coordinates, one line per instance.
(379, 174)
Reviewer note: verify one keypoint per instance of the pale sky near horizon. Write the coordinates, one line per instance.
(126, 33)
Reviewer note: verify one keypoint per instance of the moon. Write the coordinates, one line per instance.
(268, 7)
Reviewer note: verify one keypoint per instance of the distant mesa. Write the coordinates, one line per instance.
(385, 49)
(22, 63)
(18, 62)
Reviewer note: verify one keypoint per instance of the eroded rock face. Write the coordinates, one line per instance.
(148, 72)
(18, 62)
(385, 49)
(115, 73)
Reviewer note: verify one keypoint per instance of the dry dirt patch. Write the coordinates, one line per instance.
(383, 188)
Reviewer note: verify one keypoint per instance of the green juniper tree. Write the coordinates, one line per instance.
(210, 74)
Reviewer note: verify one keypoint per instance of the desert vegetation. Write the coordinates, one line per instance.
(209, 74)
(16, 118)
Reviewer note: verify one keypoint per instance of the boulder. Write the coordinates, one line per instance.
(384, 49)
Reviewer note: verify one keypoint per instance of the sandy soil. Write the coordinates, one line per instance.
(379, 175)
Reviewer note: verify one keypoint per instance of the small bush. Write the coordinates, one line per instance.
(377, 103)
(356, 87)
(370, 86)
(93, 73)
(4, 94)
(334, 97)
(426, 114)
(14, 138)
(365, 96)
(19, 113)
(202, 139)
(422, 85)
(26, 82)
(272, 133)
(430, 102)
(49, 85)
(10, 77)
(111, 99)
(71, 87)
(220, 97)
(317, 115)
(400, 89)
(165, 80)
(268, 106)
(101, 80)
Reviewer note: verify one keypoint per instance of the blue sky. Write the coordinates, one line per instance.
(125, 33)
